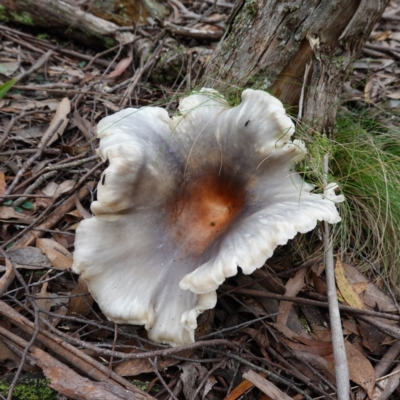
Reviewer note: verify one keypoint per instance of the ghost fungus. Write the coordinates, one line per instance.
(185, 201)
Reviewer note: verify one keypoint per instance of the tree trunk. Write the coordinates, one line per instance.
(269, 44)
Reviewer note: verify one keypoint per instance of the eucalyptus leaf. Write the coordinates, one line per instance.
(28, 205)
(5, 87)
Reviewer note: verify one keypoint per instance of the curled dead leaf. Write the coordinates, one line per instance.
(58, 255)
(3, 184)
(346, 289)
(81, 301)
(120, 67)
(360, 369)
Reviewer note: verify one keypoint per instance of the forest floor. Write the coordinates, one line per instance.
(51, 327)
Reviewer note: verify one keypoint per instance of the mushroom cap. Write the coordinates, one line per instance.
(185, 201)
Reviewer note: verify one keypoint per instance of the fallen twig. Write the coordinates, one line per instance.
(339, 350)
(79, 359)
(65, 380)
(8, 277)
(27, 238)
(31, 159)
(307, 302)
(192, 32)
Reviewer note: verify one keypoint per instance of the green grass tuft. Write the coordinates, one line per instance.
(365, 162)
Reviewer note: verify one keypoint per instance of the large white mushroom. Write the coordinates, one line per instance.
(185, 201)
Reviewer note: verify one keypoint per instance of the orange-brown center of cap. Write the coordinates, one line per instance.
(202, 211)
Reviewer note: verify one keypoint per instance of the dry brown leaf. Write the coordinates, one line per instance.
(110, 105)
(293, 286)
(321, 364)
(61, 311)
(3, 184)
(44, 302)
(27, 105)
(63, 109)
(322, 335)
(142, 366)
(372, 64)
(9, 68)
(316, 348)
(371, 336)
(260, 338)
(58, 255)
(359, 287)
(387, 386)
(360, 369)
(42, 202)
(55, 190)
(84, 213)
(120, 67)
(319, 284)
(351, 326)
(373, 296)
(265, 386)
(74, 227)
(83, 125)
(7, 354)
(28, 258)
(289, 333)
(61, 238)
(368, 89)
(381, 36)
(9, 213)
(243, 386)
(32, 131)
(394, 95)
(80, 304)
(346, 289)
(74, 150)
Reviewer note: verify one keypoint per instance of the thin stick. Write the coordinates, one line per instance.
(307, 302)
(31, 160)
(30, 343)
(7, 131)
(39, 64)
(161, 379)
(303, 88)
(271, 375)
(8, 277)
(339, 350)
(209, 373)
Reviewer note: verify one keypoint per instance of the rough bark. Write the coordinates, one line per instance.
(269, 43)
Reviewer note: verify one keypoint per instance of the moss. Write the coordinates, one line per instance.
(3, 15)
(30, 389)
(170, 65)
(340, 62)
(250, 8)
(23, 18)
(233, 96)
(109, 42)
(43, 36)
(259, 81)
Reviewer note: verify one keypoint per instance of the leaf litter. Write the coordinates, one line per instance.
(250, 346)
